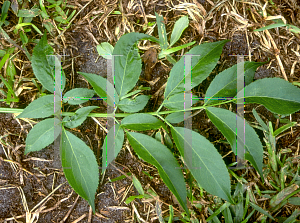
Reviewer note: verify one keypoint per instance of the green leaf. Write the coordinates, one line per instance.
(170, 59)
(128, 63)
(131, 94)
(23, 37)
(225, 121)
(201, 67)
(155, 153)
(41, 135)
(175, 117)
(215, 219)
(277, 95)
(208, 166)
(166, 139)
(270, 27)
(3, 60)
(259, 209)
(39, 108)
(116, 136)
(293, 28)
(163, 41)
(28, 12)
(51, 62)
(2, 54)
(79, 117)
(177, 102)
(40, 65)
(71, 16)
(78, 93)
(105, 50)
(260, 121)
(99, 84)
(131, 198)
(223, 207)
(180, 25)
(166, 52)
(120, 177)
(141, 122)
(283, 128)
(11, 72)
(4, 10)
(294, 200)
(293, 217)
(133, 105)
(80, 166)
(225, 83)
(283, 195)
(18, 26)
(138, 185)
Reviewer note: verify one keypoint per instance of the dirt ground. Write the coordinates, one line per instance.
(31, 183)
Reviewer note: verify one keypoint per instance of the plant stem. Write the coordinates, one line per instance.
(118, 115)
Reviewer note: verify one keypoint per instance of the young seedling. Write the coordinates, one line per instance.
(180, 25)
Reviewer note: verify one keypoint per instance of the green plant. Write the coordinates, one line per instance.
(9, 79)
(61, 14)
(180, 25)
(280, 23)
(78, 161)
(105, 49)
(283, 176)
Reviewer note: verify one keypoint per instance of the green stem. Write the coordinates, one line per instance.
(118, 115)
